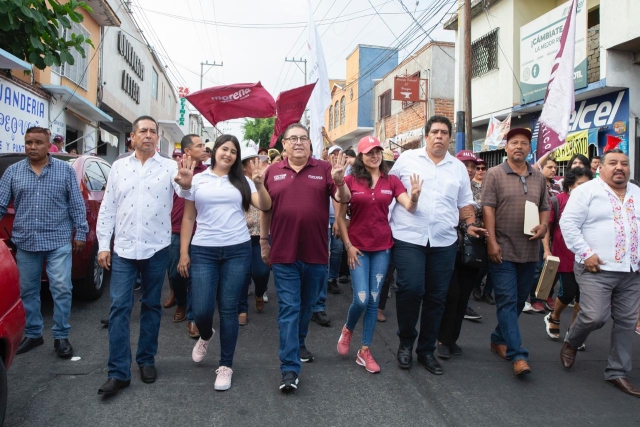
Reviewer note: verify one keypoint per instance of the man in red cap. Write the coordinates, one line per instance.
(512, 253)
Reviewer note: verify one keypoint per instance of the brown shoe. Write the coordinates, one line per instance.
(171, 301)
(624, 385)
(520, 367)
(243, 319)
(500, 349)
(180, 315)
(259, 304)
(381, 317)
(568, 355)
(193, 330)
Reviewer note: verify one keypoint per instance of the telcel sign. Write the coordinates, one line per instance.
(539, 44)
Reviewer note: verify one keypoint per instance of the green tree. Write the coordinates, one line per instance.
(259, 130)
(33, 31)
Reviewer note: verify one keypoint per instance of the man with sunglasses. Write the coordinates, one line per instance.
(512, 253)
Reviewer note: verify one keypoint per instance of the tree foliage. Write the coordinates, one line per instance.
(258, 130)
(33, 30)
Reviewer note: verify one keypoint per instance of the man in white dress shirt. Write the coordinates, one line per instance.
(425, 242)
(600, 225)
(137, 204)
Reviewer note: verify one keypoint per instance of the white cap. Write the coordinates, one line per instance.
(334, 148)
(247, 153)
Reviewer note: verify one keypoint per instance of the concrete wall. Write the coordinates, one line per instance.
(618, 21)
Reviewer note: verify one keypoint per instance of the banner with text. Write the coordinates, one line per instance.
(577, 143)
(20, 109)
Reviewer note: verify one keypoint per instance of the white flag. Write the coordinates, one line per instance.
(321, 96)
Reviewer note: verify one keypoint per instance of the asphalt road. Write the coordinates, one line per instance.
(477, 388)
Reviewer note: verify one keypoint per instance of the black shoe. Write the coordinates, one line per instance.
(104, 322)
(321, 318)
(305, 355)
(477, 294)
(148, 374)
(455, 350)
(431, 363)
(404, 357)
(112, 386)
(470, 314)
(443, 351)
(489, 299)
(333, 287)
(28, 344)
(63, 348)
(343, 279)
(289, 381)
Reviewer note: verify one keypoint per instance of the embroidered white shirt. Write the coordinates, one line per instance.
(137, 204)
(446, 189)
(595, 222)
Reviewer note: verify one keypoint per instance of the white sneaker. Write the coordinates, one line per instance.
(527, 308)
(200, 349)
(223, 380)
(265, 297)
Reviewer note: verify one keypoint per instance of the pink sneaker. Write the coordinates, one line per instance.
(366, 359)
(223, 380)
(344, 341)
(200, 349)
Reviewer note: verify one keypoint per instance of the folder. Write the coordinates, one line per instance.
(531, 217)
(547, 277)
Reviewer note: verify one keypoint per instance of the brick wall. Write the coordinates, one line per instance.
(413, 117)
(593, 54)
(444, 107)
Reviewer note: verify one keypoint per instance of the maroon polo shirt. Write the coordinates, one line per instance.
(369, 229)
(300, 211)
(178, 205)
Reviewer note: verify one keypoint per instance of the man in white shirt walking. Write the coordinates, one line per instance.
(600, 225)
(137, 204)
(425, 242)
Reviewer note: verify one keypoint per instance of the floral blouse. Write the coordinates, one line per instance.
(253, 220)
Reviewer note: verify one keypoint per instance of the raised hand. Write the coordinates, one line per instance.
(338, 167)
(416, 187)
(257, 171)
(185, 171)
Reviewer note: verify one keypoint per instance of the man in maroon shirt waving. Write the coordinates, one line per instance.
(300, 187)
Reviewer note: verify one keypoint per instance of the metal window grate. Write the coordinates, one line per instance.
(484, 54)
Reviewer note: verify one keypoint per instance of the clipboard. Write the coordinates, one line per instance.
(531, 217)
(547, 277)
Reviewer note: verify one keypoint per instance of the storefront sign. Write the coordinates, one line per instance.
(406, 89)
(20, 109)
(130, 86)
(577, 143)
(539, 44)
(126, 50)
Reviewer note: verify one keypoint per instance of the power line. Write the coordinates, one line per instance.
(213, 6)
(414, 19)
(382, 19)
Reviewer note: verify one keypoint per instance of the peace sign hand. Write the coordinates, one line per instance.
(338, 167)
(416, 187)
(185, 172)
(257, 171)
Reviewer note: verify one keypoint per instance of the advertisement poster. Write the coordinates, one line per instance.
(539, 44)
(20, 109)
(497, 133)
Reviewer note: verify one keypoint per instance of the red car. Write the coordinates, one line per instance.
(12, 319)
(92, 173)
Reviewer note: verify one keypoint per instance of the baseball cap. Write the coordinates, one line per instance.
(519, 131)
(481, 161)
(334, 148)
(247, 152)
(367, 144)
(58, 138)
(467, 156)
(177, 152)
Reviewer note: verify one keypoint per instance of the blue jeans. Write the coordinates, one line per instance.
(123, 279)
(423, 274)
(217, 275)
(259, 272)
(335, 259)
(297, 286)
(511, 285)
(59, 273)
(180, 285)
(367, 280)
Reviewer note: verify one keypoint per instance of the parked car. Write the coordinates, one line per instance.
(12, 319)
(92, 173)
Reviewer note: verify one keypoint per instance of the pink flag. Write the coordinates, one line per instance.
(290, 107)
(559, 99)
(236, 101)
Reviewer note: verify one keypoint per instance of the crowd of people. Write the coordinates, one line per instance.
(222, 215)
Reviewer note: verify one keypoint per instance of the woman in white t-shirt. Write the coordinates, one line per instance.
(219, 256)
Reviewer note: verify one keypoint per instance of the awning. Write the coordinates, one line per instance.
(108, 138)
(10, 62)
(78, 104)
(172, 127)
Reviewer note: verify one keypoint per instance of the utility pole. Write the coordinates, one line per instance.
(463, 74)
(296, 61)
(202, 64)
(467, 75)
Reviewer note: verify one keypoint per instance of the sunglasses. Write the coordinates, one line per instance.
(524, 184)
(481, 168)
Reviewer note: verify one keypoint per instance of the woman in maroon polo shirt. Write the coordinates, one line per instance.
(368, 239)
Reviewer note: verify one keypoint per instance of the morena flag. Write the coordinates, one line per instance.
(220, 103)
(290, 106)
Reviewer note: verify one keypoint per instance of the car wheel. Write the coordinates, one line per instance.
(3, 392)
(90, 288)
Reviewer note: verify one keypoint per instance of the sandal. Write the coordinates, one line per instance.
(552, 327)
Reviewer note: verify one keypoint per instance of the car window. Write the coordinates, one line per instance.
(93, 176)
(106, 169)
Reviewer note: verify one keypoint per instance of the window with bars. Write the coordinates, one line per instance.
(79, 71)
(336, 115)
(384, 105)
(343, 101)
(331, 117)
(484, 54)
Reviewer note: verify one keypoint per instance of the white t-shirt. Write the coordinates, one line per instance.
(220, 217)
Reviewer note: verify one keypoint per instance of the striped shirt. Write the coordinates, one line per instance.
(47, 207)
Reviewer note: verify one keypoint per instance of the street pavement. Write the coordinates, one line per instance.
(477, 388)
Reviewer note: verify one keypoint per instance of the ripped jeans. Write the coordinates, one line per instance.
(366, 281)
